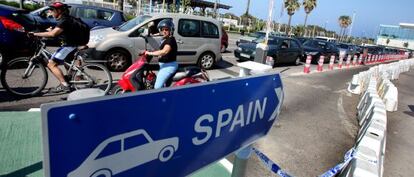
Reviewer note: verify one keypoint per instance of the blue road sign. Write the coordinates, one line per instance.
(166, 132)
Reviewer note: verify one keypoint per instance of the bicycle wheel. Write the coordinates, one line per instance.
(92, 75)
(21, 79)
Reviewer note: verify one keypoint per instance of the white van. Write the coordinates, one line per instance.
(198, 39)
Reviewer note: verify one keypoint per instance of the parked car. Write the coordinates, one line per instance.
(224, 40)
(198, 39)
(317, 48)
(347, 49)
(282, 49)
(92, 15)
(303, 39)
(14, 23)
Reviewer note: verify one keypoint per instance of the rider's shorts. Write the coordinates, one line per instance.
(64, 53)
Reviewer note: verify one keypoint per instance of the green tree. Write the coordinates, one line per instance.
(186, 4)
(291, 6)
(308, 5)
(344, 21)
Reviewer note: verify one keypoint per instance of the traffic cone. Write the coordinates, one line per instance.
(341, 59)
(331, 62)
(348, 61)
(320, 63)
(306, 69)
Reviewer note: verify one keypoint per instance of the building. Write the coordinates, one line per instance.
(401, 36)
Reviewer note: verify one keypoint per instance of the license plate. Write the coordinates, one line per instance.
(245, 55)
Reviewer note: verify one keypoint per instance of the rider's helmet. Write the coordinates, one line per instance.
(166, 23)
(58, 5)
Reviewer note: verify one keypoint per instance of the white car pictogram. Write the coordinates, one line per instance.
(123, 152)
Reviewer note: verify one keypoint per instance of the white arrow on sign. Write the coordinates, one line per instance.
(280, 97)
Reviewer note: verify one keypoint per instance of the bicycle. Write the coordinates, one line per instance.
(26, 76)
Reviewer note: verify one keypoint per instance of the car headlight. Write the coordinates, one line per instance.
(96, 38)
(254, 53)
(239, 48)
(311, 53)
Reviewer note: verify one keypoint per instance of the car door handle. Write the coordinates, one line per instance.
(180, 42)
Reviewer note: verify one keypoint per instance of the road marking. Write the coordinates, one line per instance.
(34, 110)
(342, 115)
(227, 164)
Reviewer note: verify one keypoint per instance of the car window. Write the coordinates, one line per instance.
(209, 30)
(285, 44)
(321, 45)
(110, 148)
(87, 13)
(257, 34)
(331, 46)
(294, 44)
(105, 15)
(134, 141)
(133, 23)
(189, 28)
(273, 41)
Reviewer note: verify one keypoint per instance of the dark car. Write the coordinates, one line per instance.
(317, 48)
(95, 17)
(283, 50)
(224, 40)
(14, 23)
(302, 39)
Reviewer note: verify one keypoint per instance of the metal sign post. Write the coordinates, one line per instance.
(164, 132)
(262, 48)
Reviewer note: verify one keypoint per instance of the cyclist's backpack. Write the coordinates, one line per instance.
(83, 31)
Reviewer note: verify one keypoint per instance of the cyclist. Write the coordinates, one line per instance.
(167, 53)
(63, 29)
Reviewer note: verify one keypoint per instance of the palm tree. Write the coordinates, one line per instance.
(291, 6)
(344, 22)
(248, 6)
(308, 5)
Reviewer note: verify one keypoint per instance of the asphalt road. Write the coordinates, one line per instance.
(317, 124)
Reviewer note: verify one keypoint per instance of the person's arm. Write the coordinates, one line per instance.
(53, 33)
(164, 51)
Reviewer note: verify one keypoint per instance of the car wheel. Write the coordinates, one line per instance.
(206, 60)
(166, 153)
(297, 61)
(118, 60)
(102, 173)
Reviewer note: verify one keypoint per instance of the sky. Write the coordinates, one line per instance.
(369, 14)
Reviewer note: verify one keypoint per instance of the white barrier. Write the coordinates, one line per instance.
(379, 95)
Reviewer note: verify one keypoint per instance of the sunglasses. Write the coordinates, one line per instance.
(165, 29)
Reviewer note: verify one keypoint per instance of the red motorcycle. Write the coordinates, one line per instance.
(139, 76)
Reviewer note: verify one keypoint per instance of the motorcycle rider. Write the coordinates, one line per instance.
(167, 53)
(60, 12)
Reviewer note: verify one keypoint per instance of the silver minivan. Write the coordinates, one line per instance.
(198, 39)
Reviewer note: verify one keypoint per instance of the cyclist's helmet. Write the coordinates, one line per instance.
(58, 5)
(166, 23)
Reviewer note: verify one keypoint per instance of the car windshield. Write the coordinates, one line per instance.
(257, 34)
(344, 46)
(39, 10)
(133, 22)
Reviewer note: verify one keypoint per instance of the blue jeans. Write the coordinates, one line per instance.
(166, 71)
